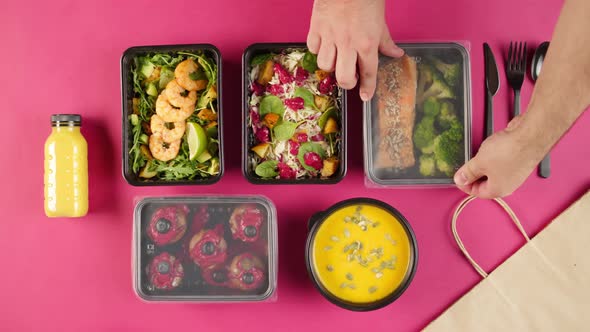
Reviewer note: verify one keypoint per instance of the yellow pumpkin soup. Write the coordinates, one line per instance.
(361, 253)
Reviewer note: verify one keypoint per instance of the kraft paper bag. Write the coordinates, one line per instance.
(544, 286)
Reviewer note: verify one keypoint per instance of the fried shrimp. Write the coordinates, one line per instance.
(170, 131)
(179, 96)
(161, 150)
(169, 113)
(187, 76)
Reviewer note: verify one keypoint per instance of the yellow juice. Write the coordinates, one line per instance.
(66, 170)
(361, 253)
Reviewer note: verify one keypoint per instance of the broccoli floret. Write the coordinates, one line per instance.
(445, 168)
(427, 165)
(438, 88)
(448, 149)
(451, 72)
(429, 149)
(431, 107)
(447, 117)
(425, 133)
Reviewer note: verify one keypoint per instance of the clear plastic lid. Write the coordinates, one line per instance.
(418, 125)
(205, 249)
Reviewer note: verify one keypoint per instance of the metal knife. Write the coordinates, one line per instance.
(492, 86)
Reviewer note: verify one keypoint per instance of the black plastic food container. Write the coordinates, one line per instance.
(248, 137)
(314, 224)
(127, 109)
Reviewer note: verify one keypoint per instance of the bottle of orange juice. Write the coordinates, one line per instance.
(66, 168)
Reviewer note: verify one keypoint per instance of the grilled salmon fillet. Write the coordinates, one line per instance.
(396, 114)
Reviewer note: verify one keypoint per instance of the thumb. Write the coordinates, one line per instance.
(469, 173)
(387, 46)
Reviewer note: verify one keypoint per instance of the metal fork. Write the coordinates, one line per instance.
(515, 69)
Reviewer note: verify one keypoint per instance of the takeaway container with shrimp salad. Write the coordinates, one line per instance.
(171, 115)
(205, 249)
(294, 117)
(417, 127)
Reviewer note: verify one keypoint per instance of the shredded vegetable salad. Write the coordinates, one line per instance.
(294, 117)
(174, 124)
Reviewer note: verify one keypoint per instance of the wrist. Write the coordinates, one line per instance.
(540, 129)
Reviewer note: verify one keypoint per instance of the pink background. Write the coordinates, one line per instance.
(63, 56)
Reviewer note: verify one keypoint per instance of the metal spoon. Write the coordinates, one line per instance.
(536, 64)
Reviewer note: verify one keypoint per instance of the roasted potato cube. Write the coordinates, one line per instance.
(212, 92)
(321, 102)
(331, 126)
(261, 149)
(266, 73)
(330, 166)
(271, 119)
(145, 151)
(207, 115)
(136, 106)
(146, 173)
(321, 74)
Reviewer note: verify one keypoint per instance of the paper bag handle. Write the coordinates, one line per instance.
(460, 208)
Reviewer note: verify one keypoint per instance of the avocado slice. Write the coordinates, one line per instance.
(147, 68)
(203, 157)
(166, 75)
(152, 90)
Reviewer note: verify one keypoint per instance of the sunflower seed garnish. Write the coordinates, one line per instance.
(334, 238)
(326, 248)
(351, 286)
(349, 276)
(372, 289)
(346, 232)
(379, 275)
(330, 268)
(343, 285)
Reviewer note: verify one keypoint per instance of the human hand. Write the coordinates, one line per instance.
(502, 164)
(344, 32)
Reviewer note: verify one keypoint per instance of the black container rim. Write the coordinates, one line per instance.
(124, 68)
(245, 130)
(272, 242)
(423, 182)
(318, 219)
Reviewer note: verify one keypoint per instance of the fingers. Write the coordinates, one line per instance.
(368, 62)
(327, 55)
(469, 173)
(313, 42)
(388, 47)
(472, 179)
(346, 68)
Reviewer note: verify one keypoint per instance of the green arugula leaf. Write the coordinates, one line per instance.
(285, 130)
(309, 147)
(271, 104)
(267, 169)
(310, 62)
